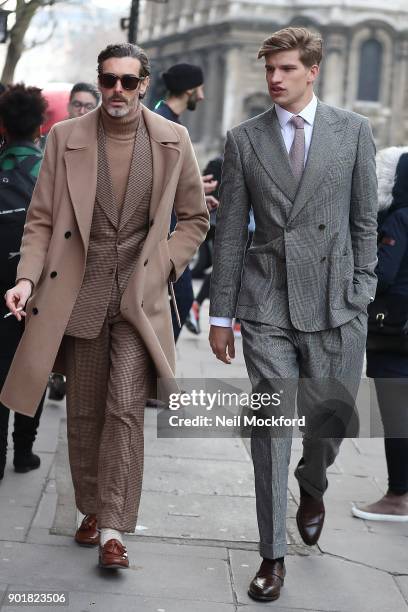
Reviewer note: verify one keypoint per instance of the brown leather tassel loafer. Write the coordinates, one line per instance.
(268, 581)
(113, 555)
(87, 533)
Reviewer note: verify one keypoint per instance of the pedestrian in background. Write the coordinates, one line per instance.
(83, 98)
(22, 111)
(387, 356)
(185, 89)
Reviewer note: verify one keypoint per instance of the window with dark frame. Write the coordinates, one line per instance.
(370, 68)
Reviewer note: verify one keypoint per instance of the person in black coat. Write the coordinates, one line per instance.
(22, 111)
(390, 369)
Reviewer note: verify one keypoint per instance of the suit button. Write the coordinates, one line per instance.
(146, 262)
(322, 226)
(35, 311)
(323, 259)
(67, 235)
(53, 274)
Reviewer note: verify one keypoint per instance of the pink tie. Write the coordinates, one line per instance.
(297, 150)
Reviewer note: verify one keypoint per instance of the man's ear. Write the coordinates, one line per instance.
(313, 73)
(144, 87)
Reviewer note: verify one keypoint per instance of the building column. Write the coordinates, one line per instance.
(334, 69)
(399, 102)
(232, 111)
(213, 100)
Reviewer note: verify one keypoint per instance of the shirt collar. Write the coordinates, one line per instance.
(308, 113)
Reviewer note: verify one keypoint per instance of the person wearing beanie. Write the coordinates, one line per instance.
(185, 89)
(97, 260)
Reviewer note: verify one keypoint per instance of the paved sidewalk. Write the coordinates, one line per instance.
(195, 548)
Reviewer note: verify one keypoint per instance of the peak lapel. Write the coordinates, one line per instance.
(81, 168)
(267, 142)
(328, 132)
(166, 148)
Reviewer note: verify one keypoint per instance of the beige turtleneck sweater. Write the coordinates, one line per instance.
(120, 135)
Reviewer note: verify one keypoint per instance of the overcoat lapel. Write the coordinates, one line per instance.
(81, 168)
(267, 142)
(328, 133)
(166, 148)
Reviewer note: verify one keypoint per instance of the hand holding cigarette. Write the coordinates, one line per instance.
(17, 297)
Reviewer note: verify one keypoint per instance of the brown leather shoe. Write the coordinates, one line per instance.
(113, 555)
(268, 581)
(310, 518)
(87, 533)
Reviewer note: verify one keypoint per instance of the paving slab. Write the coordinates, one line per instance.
(47, 438)
(138, 547)
(179, 475)
(30, 484)
(117, 602)
(186, 577)
(402, 582)
(385, 552)
(198, 516)
(322, 583)
(195, 448)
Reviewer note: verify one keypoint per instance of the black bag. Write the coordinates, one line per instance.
(388, 324)
(16, 189)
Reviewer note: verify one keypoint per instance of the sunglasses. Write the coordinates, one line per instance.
(128, 81)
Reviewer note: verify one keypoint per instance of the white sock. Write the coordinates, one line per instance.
(110, 534)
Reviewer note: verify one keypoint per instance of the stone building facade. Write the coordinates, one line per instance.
(365, 65)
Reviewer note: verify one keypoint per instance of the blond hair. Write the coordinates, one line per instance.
(308, 43)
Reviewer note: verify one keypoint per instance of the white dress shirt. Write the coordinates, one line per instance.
(288, 134)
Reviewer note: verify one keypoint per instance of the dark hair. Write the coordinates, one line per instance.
(88, 88)
(125, 50)
(22, 110)
(308, 44)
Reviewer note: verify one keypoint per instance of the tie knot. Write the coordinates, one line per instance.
(298, 122)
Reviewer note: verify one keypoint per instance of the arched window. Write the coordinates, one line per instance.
(370, 70)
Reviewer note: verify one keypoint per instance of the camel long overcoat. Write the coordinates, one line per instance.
(55, 242)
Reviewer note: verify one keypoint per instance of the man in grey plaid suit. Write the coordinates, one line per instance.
(302, 288)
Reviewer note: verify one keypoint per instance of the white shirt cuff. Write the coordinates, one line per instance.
(221, 321)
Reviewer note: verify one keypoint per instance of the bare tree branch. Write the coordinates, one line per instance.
(38, 43)
(24, 13)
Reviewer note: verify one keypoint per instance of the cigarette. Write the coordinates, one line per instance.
(10, 313)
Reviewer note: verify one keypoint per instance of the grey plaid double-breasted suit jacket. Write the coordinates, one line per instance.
(312, 259)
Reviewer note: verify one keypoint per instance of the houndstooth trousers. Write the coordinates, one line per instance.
(108, 381)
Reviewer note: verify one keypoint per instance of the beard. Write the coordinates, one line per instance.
(131, 105)
(192, 101)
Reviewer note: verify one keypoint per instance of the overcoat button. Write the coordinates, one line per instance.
(35, 311)
(67, 235)
(53, 274)
(322, 226)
